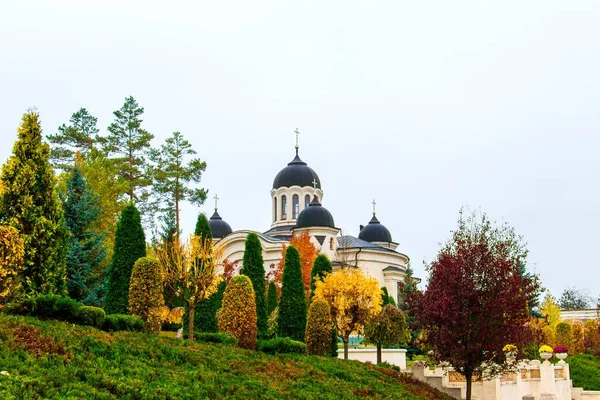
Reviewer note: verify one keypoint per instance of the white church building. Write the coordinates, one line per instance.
(296, 201)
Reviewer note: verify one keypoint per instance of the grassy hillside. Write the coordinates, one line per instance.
(50, 359)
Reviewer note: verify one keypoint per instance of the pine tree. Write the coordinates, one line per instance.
(173, 176)
(254, 268)
(79, 136)
(203, 227)
(271, 298)
(128, 144)
(321, 267)
(130, 244)
(292, 304)
(86, 255)
(30, 204)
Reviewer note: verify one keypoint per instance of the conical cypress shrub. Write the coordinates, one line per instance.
(203, 227)
(30, 204)
(130, 244)
(271, 298)
(254, 268)
(321, 267)
(292, 304)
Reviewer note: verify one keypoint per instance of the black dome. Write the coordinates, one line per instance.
(219, 228)
(297, 173)
(315, 215)
(375, 232)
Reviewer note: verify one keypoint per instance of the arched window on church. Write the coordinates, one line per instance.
(306, 201)
(295, 206)
(274, 208)
(283, 207)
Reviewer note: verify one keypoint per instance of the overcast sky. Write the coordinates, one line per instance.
(425, 106)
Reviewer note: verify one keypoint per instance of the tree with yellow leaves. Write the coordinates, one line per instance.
(190, 270)
(353, 299)
(11, 262)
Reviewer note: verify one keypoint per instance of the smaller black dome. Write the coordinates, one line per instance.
(219, 228)
(375, 232)
(315, 215)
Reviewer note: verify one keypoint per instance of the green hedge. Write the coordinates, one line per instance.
(122, 322)
(220, 337)
(280, 346)
(62, 308)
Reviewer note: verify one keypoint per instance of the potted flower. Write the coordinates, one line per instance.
(510, 351)
(546, 352)
(561, 352)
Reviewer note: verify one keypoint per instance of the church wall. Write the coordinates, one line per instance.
(373, 263)
(234, 245)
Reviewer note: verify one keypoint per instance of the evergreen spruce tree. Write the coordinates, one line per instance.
(321, 267)
(203, 227)
(130, 244)
(386, 298)
(254, 268)
(271, 298)
(30, 204)
(78, 136)
(292, 304)
(86, 255)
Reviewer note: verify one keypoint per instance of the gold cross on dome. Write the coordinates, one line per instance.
(297, 134)
(315, 183)
(374, 203)
(216, 200)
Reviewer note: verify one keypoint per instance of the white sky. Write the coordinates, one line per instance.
(425, 106)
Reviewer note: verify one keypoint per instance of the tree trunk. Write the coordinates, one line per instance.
(191, 312)
(469, 377)
(345, 339)
(378, 354)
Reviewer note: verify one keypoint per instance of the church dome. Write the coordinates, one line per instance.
(315, 215)
(297, 173)
(375, 232)
(219, 228)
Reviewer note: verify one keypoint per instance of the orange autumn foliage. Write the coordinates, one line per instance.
(308, 252)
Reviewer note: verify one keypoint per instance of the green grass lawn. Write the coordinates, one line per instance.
(585, 371)
(50, 359)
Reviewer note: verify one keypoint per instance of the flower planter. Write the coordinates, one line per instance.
(545, 355)
(561, 356)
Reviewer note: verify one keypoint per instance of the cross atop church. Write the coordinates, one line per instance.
(297, 134)
(374, 203)
(216, 201)
(315, 183)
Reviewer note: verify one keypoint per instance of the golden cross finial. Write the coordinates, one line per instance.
(216, 200)
(315, 183)
(374, 203)
(297, 134)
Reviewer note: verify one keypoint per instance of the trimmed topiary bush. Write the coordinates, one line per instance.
(130, 244)
(237, 317)
(292, 304)
(564, 336)
(92, 316)
(219, 337)
(123, 322)
(318, 328)
(272, 327)
(253, 267)
(146, 293)
(281, 346)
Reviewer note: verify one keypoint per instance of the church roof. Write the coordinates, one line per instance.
(219, 228)
(315, 215)
(375, 232)
(297, 173)
(351, 242)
